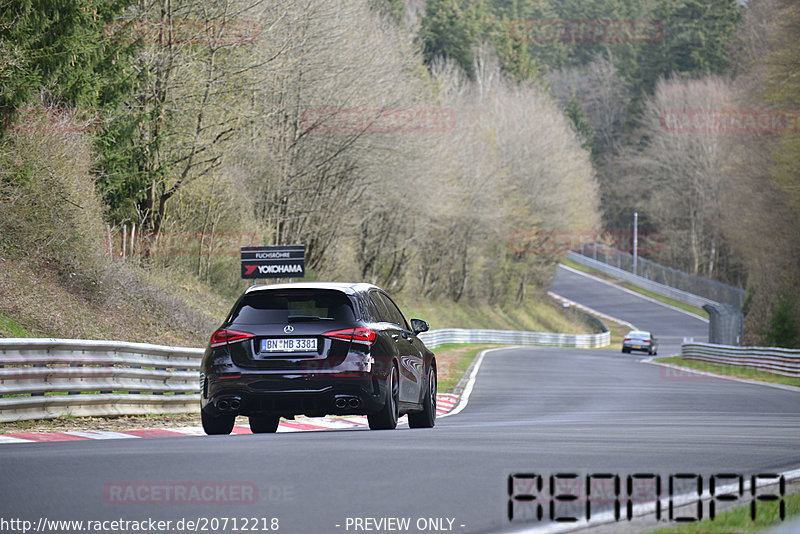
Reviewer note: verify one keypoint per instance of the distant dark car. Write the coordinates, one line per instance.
(315, 349)
(640, 340)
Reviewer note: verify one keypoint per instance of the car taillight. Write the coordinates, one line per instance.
(224, 337)
(647, 341)
(626, 339)
(365, 336)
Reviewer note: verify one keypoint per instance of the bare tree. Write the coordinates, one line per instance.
(194, 61)
(603, 96)
(516, 165)
(761, 216)
(679, 176)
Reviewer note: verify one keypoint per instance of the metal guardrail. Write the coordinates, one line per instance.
(711, 290)
(43, 378)
(638, 281)
(437, 338)
(784, 362)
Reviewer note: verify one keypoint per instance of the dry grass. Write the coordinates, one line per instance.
(56, 279)
(123, 422)
(124, 303)
(453, 361)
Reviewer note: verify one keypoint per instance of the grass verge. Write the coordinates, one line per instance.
(730, 370)
(739, 520)
(655, 296)
(109, 423)
(10, 328)
(536, 314)
(453, 361)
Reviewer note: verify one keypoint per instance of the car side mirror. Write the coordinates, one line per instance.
(419, 326)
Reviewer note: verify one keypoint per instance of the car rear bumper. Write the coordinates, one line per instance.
(294, 394)
(642, 348)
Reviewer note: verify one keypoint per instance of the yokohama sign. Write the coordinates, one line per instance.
(274, 262)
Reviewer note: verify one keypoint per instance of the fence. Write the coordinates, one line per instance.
(638, 281)
(42, 378)
(709, 290)
(784, 362)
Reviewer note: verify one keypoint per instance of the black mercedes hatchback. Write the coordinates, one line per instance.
(316, 349)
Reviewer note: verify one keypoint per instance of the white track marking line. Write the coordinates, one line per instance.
(590, 310)
(462, 403)
(634, 293)
(10, 439)
(189, 430)
(100, 434)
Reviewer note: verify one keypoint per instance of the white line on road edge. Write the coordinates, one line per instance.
(634, 293)
(639, 510)
(462, 402)
(785, 387)
(602, 315)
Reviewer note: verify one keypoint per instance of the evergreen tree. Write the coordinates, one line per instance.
(783, 327)
(782, 91)
(447, 32)
(59, 48)
(696, 42)
(60, 54)
(396, 9)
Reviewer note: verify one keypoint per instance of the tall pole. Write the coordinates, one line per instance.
(635, 239)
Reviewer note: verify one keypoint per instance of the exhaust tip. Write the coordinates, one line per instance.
(223, 405)
(355, 403)
(341, 403)
(235, 404)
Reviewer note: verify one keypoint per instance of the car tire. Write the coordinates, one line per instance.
(386, 418)
(219, 425)
(628, 351)
(427, 417)
(264, 424)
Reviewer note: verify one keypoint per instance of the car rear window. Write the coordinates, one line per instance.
(639, 335)
(264, 307)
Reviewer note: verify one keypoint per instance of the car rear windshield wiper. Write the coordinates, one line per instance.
(298, 318)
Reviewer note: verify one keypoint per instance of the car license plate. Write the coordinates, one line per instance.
(637, 346)
(295, 344)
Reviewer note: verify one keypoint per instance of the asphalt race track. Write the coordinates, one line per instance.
(670, 326)
(532, 410)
